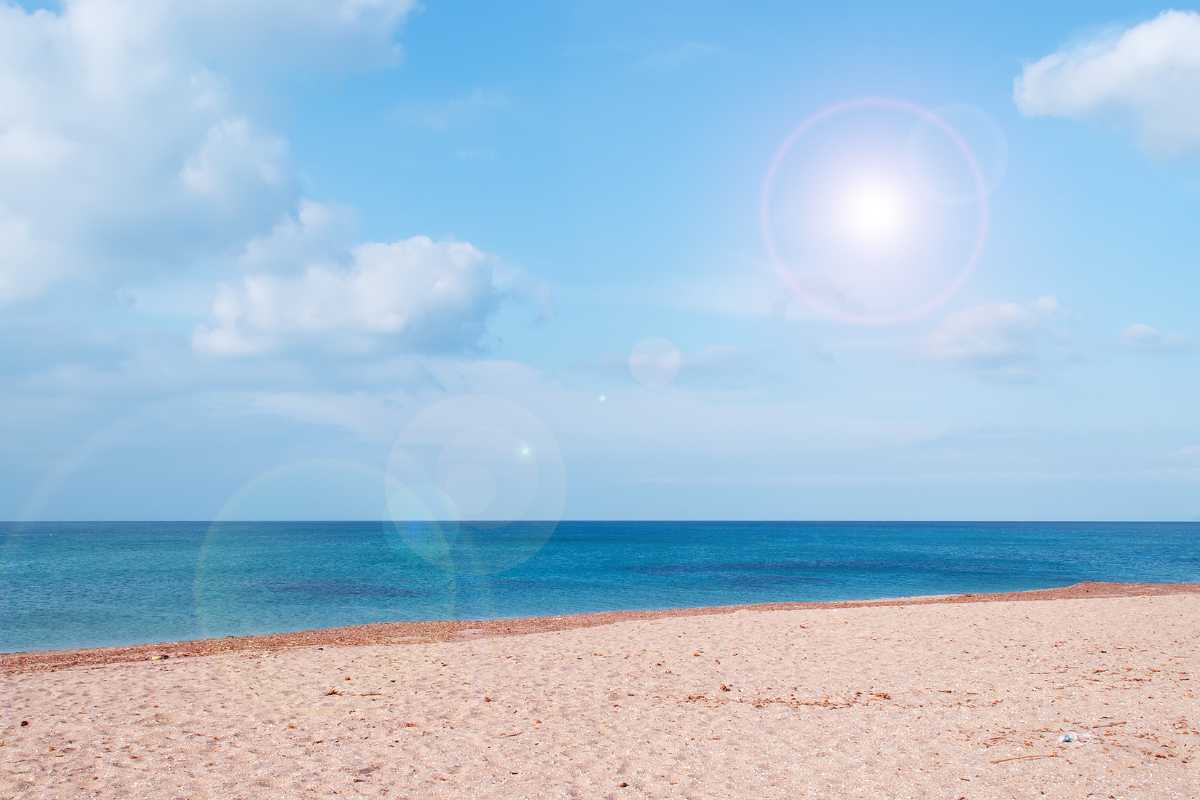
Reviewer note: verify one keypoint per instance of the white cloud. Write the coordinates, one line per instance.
(416, 294)
(128, 160)
(258, 36)
(1148, 74)
(232, 155)
(1148, 339)
(1003, 338)
(315, 232)
(24, 146)
(123, 143)
(27, 264)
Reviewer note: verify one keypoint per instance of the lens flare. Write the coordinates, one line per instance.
(856, 226)
(925, 144)
(873, 211)
(475, 485)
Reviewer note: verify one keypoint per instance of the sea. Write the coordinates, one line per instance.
(89, 584)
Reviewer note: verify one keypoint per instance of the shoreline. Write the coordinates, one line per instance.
(429, 631)
(1085, 692)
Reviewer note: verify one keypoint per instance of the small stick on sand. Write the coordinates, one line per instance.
(1025, 758)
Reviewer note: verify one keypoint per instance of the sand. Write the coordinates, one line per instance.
(957, 698)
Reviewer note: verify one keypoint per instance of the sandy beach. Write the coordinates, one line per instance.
(962, 697)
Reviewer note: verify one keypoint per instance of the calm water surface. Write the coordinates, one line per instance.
(90, 584)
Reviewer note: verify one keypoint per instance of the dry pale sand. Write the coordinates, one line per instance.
(942, 700)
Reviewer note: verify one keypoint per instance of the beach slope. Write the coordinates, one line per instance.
(960, 699)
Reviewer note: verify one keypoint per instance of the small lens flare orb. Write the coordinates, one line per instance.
(873, 211)
(464, 470)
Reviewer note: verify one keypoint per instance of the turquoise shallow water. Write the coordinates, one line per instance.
(90, 584)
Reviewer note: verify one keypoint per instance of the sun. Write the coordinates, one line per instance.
(873, 211)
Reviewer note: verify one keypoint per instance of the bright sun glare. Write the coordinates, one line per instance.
(873, 211)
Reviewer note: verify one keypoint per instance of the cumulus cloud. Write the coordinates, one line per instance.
(314, 232)
(1002, 338)
(415, 294)
(1148, 339)
(233, 155)
(1148, 74)
(122, 139)
(27, 264)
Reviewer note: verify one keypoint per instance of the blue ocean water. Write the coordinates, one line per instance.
(65, 585)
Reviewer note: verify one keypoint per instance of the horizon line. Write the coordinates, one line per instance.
(632, 520)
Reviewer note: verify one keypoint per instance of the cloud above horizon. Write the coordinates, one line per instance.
(417, 294)
(1144, 338)
(1147, 76)
(124, 143)
(1005, 339)
(205, 190)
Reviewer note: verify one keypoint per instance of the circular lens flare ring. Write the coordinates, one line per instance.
(874, 211)
(484, 480)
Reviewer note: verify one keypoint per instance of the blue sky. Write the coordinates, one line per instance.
(364, 258)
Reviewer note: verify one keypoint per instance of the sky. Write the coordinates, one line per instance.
(358, 259)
